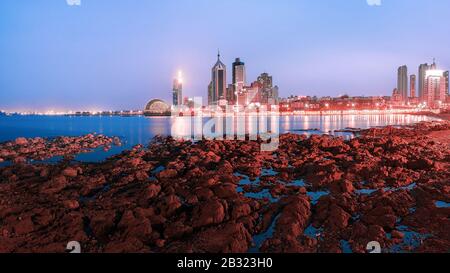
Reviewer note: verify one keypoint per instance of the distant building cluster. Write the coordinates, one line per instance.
(239, 93)
(345, 102)
(429, 88)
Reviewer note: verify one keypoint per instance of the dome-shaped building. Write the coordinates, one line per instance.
(157, 107)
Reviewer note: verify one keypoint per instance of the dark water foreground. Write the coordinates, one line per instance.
(316, 194)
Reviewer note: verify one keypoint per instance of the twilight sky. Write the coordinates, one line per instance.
(118, 54)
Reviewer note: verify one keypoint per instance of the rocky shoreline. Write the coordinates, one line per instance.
(316, 194)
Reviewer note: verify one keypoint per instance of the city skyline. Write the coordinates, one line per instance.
(56, 58)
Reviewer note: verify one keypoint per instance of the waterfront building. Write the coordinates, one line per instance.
(446, 83)
(177, 90)
(157, 107)
(231, 94)
(239, 77)
(423, 68)
(412, 86)
(218, 85)
(269, 93)
(435, 84)
(396, 96)
(402, 82)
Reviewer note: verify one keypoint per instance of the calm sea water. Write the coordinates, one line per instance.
(140, 130)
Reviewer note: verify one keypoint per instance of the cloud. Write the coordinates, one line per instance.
(73, 2)
(374, 2)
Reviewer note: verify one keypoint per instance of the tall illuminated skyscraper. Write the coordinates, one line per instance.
(412, 86)
(239, 77)
(177, 90)
(218, 85)
(402, 82)
(435, 85)
(423, 68)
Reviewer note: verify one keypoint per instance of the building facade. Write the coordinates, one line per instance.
(412, 86)
(402, 82)
(435, 93)
(239, 78)
(218, 86)
(423, 68)
(177, 91)
(446, 83)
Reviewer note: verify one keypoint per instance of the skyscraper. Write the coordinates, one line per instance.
(218, 86)
(239, 77)
(422, 71)
(177, 90)
(435, 85)
(402, 82)
(423, 68)
(266, 83)
(446, 83)
(412, 86)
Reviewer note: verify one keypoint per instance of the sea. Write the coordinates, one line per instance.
(141, 130)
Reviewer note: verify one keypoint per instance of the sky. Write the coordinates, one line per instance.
(119, 54)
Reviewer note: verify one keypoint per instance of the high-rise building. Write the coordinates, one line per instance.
(177, 90)
(412, 86)
(239, 77)
(230, 94)
(402, 82)
(446, 83)
(218, 86)
(423, 68)
(210, 93)
(269, 93)
(265, 80)
(422, 71)
(435, 93)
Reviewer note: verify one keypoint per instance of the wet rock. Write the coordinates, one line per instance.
(70, 172)
(240, 210)
(208, 213)
(230, 238)
(21, 141)
(71, 204)
(102, 224)
(167, 174)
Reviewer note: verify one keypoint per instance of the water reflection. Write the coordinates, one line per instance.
(140, 130)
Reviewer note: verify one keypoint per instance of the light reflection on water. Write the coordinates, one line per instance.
(140, 130)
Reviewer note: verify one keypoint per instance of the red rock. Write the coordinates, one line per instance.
(23, 226)
(135, 226)
(71, 204)
(177, 230)
(208, 213)
(19, 160)
(376, 233)
(102, 224)
(225, 191)
(152, 191)
(347, 186)
(21, 141)
(397, 234)
(70, 172)
(170, 204)
(240, 210)
(167, 174)
(56, 185)
(338, 218)
(231, 238)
